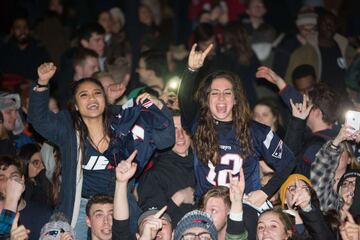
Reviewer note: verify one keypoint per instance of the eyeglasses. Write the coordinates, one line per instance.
(193, 236)
(347, 184)
(292, 188)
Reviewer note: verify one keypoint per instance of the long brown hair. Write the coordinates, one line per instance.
(237, 39)
(206, 136)
(346, 147)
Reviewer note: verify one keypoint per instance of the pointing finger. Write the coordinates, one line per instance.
(132, 156)
(160, 212)
(15, 222)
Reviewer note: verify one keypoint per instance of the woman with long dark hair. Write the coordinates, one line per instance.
(224, 136)
(85, 134)
(38, 187)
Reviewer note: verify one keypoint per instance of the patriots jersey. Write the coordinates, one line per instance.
(143, 127)
(266, 145)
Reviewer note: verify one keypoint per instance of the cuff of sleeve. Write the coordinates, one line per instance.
(235, 227)
(236, 216)
(268, 190)
(298, 122)
(172, 207)
(282, 90)
(6, 218)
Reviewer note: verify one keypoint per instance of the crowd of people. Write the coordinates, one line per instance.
(180, 120)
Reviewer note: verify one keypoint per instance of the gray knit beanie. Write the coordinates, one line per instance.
(195, 218)
(57, 225)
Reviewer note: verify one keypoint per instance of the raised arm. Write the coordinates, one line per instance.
(14, 188)
(296, 127)
(235, 225)
(51, 126)
(187, 87)
(275, 153)
(124, 171)
(310, 214)
(324, 167)
(286, 92)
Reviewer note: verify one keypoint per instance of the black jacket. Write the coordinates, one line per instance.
(169, 174)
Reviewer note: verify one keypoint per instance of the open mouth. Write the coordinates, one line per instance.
(106, 231)
(93, 106)
(221, 108)
(180, 143)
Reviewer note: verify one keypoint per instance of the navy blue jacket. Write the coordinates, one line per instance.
(59, 129)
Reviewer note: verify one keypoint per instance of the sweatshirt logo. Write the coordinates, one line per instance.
(96, 163)
(225, 148)
(278, 150)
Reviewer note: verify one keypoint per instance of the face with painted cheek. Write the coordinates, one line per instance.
(90, 100)
(270, 227)
(221, 99)
(100, 221)
(218, 211)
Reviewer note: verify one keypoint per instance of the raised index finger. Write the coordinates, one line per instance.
(15, 221)
(160, 212)
(132, 156)
(208, 49)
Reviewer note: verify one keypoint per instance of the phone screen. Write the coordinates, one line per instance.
(353, 120)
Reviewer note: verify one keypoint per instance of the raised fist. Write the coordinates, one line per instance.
(45, 72)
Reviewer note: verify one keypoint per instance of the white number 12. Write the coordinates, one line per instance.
(220, 178)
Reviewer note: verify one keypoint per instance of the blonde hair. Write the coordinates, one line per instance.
(215, 192)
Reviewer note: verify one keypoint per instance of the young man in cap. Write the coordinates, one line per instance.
(151, 224)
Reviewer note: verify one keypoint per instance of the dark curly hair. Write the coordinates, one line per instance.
(206, 137)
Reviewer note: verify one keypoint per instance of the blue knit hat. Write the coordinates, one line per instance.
(195, 218)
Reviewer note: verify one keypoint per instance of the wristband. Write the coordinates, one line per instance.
(41, 85)
(191, 69)
(334, 146)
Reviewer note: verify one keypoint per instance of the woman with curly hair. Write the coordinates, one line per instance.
(225, 138)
